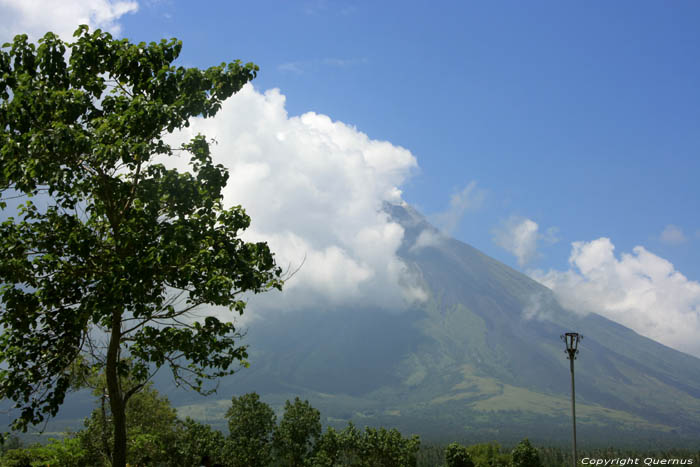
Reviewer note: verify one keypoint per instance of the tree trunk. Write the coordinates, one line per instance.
(116, 398)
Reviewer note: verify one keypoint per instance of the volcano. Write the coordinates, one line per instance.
(481, 359)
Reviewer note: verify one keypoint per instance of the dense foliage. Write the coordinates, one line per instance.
(297, 433)
(251, 425)
(524, 455)
(457, 455)
(111, 250)
(158, 438)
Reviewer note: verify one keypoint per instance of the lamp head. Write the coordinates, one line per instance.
(571, 339)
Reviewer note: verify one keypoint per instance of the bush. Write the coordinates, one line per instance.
(457, 455)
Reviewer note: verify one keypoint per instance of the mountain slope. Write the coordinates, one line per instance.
(482, 358)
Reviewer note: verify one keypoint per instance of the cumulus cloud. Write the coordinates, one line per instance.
(314, 189)
(639, 290)
(672, 235)
(36, 17)
(467, 199)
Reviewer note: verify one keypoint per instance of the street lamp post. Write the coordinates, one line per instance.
(572, 339)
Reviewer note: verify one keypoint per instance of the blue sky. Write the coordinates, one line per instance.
(580, 116)
(531, 126)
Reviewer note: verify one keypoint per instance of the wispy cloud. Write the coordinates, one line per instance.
(344, 62)
(304, 66)
(539, 307)
(520, 237)
(469, 198)
(315, 7)
(427, 238)
(292, 67)
(672, 235)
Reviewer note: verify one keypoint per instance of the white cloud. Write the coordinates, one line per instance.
(302, 66)
(672, 235)
(427, 238)
(539, 307)
(639, 290)
(36, 17)
(518, 236)
(314, 189)
(467, 199)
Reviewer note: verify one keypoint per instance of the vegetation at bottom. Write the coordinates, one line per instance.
(156, 437)
(256, 438)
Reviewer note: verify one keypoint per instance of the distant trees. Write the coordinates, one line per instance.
(384, 448)
(297, 440)
(256, 439)
(524, 455)
(476, 455)
(457, 455)
(369, 448)
(197, 442)
(251, 424)
(488, 455)
(157, 438)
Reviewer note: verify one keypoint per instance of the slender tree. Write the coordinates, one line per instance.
(297, 433)
(111, 251)
(251, 424)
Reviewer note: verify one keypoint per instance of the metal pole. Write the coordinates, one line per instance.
(573, 407)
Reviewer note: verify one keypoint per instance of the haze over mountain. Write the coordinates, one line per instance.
(480, 358)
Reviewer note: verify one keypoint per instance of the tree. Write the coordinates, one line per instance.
(111, 250)
(375, 447)
(525, 455)
(251, 424)
(329, 450)
(387, 448)
(196, 442)
(152, 430)
(457, 455)
(297, 432)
